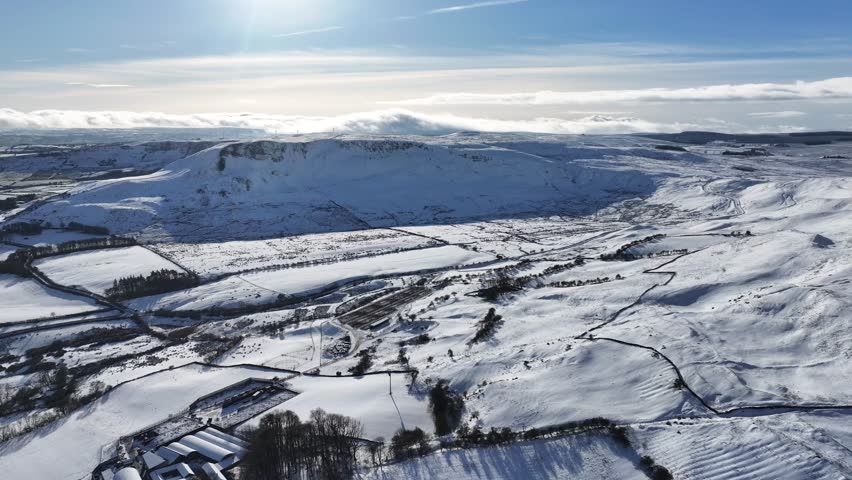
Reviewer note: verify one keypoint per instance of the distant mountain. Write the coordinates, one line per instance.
(702, 138)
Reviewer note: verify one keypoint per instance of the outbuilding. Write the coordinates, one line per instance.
(181, 471)
(205, 448)
(127, 473)
(212, 471)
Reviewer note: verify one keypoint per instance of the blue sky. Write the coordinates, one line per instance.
(511, 61)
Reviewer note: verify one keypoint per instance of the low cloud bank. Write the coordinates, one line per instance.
(831, 88)
(784, 114)
(393, 121)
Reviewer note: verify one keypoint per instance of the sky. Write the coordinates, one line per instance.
(428, 66)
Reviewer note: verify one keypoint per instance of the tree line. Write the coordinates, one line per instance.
(446, 407)
(22, 228)
(73, 246)
(90, 229)
(34, 227)
(622, 254)
(365, 361)
(19, 261)
(581, 283)
(502, 282)
(486, 327)
(158, 281)
(10, 203)
(283, 447)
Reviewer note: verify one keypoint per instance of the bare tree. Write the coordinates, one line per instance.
(283, 447)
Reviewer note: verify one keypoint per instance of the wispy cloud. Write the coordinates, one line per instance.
(77, 50)
(468, 6)
(458, 8)
(783, 114)
(832, 88)
(98, 85)
(357, 80)
(307, 32)
(29, 60)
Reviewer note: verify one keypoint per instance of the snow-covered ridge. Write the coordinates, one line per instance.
(80, 159)
(264, 188)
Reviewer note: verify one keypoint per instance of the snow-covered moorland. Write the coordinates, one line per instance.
(693, 299)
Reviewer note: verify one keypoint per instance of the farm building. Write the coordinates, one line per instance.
(201, 454)
(127, 473)
(178, 471)
(194, 444)
(206, 449)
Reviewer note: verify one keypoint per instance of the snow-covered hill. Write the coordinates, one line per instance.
(264, 188)
(79, 160)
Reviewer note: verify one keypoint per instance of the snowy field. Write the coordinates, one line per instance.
(24, 299)
(749, 448)
(211, 259)
(509, 237)
(296, 347)
(365, 398)
(96, 270)
(19, 344)
(266, 286)
(587, 457)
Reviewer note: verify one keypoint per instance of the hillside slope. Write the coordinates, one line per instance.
(82, 160)
(256, 189)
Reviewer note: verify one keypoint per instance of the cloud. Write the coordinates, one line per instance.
(784, 114)
(77, 50)
(307, 32)
(469, 6)
(393, 122)
(98, 85)
(831, 88)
